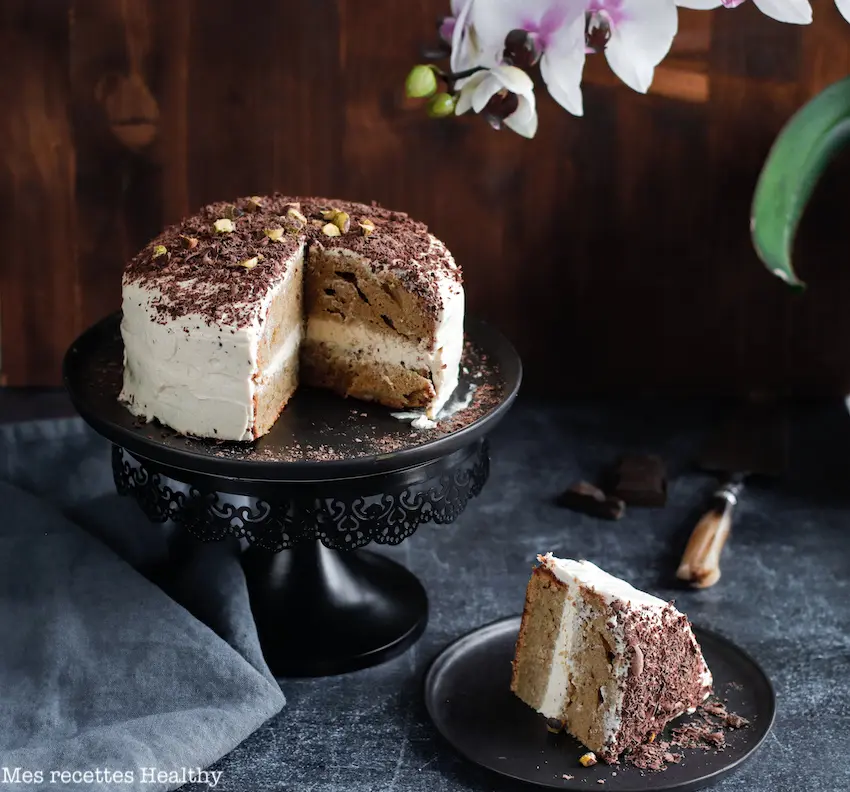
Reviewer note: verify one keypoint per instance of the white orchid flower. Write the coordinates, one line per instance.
(797, 12)
(641, 34)
(557, 27)
(507, 93)
(465, 50)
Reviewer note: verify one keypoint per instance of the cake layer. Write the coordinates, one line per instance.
(348, 373)
(614, 663)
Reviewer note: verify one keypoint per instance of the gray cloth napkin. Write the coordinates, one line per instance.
(102, 670)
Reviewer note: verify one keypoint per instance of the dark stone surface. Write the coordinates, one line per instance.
(784, 596)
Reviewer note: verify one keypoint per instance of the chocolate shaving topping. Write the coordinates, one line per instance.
(664, 676)
(205, 279)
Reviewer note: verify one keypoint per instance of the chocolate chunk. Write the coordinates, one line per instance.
(587, 499)
(554, 725)
(640, 480)
(734, 721)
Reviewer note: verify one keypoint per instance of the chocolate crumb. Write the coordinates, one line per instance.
(734, 721)
(652, 756)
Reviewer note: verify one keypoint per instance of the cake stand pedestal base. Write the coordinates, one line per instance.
(322, 612)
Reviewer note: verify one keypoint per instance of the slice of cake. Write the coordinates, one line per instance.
(612, 663)
(214, 314)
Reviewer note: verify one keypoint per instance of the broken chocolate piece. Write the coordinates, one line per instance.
(640, 480)
(718, 710)
(734, 721)
(587, 499)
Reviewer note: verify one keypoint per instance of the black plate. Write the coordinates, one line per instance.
(355, 438)
(468, 696)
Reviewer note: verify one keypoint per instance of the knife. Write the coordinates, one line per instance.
(752, 441)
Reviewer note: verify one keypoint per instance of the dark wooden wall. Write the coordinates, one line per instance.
(613, 247)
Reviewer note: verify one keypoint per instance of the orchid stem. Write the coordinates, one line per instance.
(461, 75)
(452, 77)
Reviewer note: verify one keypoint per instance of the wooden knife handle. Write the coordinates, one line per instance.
(700, 565)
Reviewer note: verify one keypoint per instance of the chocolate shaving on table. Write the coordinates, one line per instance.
(706, 730)
(718, 710)
(652, 756)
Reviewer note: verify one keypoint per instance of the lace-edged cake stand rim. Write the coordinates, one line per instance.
(319, 436)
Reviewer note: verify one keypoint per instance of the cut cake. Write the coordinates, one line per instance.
(225, 312)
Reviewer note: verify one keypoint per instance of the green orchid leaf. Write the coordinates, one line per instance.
(799, 156)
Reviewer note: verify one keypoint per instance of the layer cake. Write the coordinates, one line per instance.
(224, 314)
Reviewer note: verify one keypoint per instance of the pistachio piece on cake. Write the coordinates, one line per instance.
(295, 213)
(342, 221)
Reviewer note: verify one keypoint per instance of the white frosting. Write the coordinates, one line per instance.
(440, 355)
(195, 376)
(576, 612)
(606, 586)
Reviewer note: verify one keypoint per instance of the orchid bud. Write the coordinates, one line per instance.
(446, 29)
(441, 105)
(521, 49)
(421, 83)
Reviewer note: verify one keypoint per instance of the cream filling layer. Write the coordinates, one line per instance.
(357, 338)
(284, 355)
(562, 670)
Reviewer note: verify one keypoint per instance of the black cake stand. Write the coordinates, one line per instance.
(332, 476)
